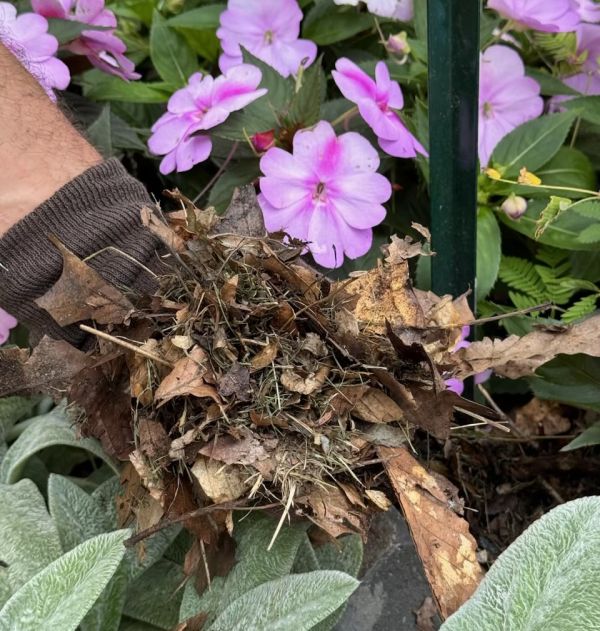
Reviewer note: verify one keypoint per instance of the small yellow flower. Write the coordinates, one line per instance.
(525, 177)
(493, 173)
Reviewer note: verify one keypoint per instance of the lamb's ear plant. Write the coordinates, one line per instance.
(547, 580)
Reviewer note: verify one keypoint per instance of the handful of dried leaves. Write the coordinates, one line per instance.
(249, 380)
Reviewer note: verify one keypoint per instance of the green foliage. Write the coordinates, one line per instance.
(532, 144)
(60, 595)
(588, 438)
(489, 252)
(200, 18)
(546, 580)
(296, 602)
(326, 23)
(171, 55)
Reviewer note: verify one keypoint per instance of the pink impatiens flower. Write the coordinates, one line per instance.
(268, 29)
(7, 322)
(507, 98)
(27, 39)
(551, 16)
(377, 103)
(458, 385)
(102, 47)
(396, 9)
(326, 193)
(589, 10)
(203, 104)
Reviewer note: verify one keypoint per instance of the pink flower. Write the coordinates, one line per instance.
(203, 104)
(326, 193)
(102, 47)
(27, 39)
(552, 16)
(507, 98)
(7, 322)
(457, 385)
(377, 103)
(589, 10)
(269, 29)
(397, 9)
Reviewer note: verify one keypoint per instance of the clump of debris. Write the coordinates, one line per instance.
(249, 380)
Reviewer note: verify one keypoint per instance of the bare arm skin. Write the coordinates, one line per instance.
(40, 150)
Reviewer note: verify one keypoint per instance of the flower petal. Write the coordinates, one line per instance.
(354, 83)
(191, 151)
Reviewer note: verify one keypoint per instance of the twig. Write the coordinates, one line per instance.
(205, 510)
(286, 511)
(124, 344)
(542, 307)
(218, 174)
(482, 418)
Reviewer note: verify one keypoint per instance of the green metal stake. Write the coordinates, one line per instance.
(453, 50)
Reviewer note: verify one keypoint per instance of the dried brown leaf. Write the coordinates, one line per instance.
(541, 418)
(140, 383)
(332, 512)
(236, 382)
(379, 498)
(400, 250)
(229, 290)
(294, 382)
(49, 369)
(433, 512)
(244, 216)
(425, 615)
(187, 378)
(164, 232)
(82, 294)
(220, 482)
(153, 440)
(516, 357)
(265, 356)
(103, 393)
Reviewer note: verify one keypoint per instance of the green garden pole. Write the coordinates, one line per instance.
(453, 52)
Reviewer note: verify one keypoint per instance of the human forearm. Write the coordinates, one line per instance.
(40, 150)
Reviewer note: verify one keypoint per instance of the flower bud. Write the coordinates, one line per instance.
(527, 177)
(263, 140)
(398, 45)
(514, 206)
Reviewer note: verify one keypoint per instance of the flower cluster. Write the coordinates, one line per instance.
(326, 193)
(268, 29)
(27, 38)
(203, 104)
(102, 47)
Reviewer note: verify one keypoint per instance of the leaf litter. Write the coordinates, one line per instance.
(247, 380)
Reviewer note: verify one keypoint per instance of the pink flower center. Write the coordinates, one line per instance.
(488, 110)
(269, 37)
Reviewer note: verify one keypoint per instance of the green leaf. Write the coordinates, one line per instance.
(591, 234)
(12, 410)
(344, 555)
(67, 30)
(326, 23)
(489, 252)
(306, 104)
(28, 537)
(587, 107)
(45, 431)
(155, 597)
(172, 57)
(99, 86)
(532, 144)
(546, 580)
(77, 515)
(549, 85)
(306, 559)
(105, 614)
(255, 563)
(109, 133)
(296, 602)
(590, 437)
(206, 17)
(60, 595)
(571, 379)
(243, 172)
(563, 233)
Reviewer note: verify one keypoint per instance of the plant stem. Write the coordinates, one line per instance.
(218, 174)
(346, 115)
(593, 194)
